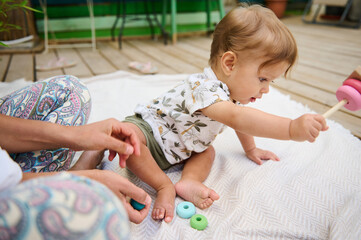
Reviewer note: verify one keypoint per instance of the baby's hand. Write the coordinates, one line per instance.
(307, 127)
(257, 155)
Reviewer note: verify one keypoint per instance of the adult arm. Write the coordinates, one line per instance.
(23, 135)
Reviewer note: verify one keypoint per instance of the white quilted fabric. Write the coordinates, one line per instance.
(314, 192)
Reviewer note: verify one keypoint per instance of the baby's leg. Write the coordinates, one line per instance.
(145, 167)
(88, 160)
(190, 187)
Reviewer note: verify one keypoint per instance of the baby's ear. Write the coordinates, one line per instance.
(228, 61)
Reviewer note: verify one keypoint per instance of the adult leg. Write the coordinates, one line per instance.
(63, 206)
(62, 100)
(190, 187)
(146, 168)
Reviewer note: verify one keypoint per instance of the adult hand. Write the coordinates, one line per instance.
(122, 188)
(107, 134)
(23, 135)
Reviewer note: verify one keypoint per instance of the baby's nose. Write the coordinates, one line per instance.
(265, 89)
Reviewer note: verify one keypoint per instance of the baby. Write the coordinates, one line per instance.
(250, 48)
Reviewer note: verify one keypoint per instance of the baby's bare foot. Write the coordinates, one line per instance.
(197, 193)
(164, 204)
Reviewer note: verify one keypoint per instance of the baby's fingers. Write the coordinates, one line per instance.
(322, 121)
(257, 160)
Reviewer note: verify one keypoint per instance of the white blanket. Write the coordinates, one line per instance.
(314, 192)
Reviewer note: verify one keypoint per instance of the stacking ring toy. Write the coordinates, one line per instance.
(356, 84)
(199, 222)
(352, 96)
(186, 209)
(348, 95)
(136, 205)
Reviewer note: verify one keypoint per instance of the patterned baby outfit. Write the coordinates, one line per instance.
(178, 125)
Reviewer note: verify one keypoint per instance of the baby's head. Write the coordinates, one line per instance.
(253, 31)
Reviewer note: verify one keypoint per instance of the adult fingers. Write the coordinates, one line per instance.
(130, 136)
(119, 146)
(122, 160)
(128, 188)
(136, 216)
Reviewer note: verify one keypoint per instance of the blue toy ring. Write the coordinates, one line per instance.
(136, 205)
(199, 222)
(186, 209)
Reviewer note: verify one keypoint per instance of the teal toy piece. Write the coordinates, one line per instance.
(199, 222)
(186, 209)
(136, 205)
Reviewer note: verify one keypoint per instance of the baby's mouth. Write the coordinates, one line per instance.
(253, 99)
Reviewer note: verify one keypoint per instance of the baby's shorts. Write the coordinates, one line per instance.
(152, 144)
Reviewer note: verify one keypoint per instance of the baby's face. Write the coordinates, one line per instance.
(246, 83)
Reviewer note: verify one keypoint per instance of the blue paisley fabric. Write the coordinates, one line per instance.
(63, 206)
(62, 100)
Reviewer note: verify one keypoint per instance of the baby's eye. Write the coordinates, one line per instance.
(262, 79)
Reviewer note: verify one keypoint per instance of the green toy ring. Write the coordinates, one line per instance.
(199, 222)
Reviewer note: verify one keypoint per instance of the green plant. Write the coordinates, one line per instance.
(7, 6)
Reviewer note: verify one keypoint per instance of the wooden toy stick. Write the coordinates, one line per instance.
(334, 108)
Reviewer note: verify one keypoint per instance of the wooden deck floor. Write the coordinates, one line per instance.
(327, 55)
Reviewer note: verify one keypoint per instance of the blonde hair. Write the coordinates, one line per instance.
(257, 29)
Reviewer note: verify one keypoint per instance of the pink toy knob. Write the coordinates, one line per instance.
(356, 84)
(348, 97)
(352, 96)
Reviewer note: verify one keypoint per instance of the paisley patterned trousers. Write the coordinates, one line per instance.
(63, 206)
(62, 100)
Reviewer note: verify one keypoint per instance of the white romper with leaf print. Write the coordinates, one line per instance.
(178, 125)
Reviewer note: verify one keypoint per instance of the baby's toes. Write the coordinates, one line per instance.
(158, 213)
(169, 214)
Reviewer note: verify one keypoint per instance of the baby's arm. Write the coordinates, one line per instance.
(254, 122)
(252, 152)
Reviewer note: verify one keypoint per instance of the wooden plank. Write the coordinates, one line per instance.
(21, 66)
(314, 94)
(80, 70)
(317, 78)
(113, 55)
(197, 51)
(43, 59)
(95, 61)
(169, 60)
(327, 33)
(200, 42)
(328, 45)
(185, 56)
(340, 64)
(4, 63)
(349, 122)
(135, 54)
